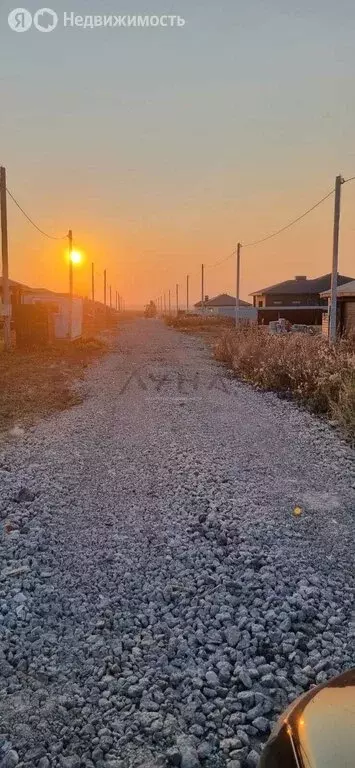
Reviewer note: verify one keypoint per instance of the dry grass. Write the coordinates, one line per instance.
(304, 367)
(36, 383)
(208, 323)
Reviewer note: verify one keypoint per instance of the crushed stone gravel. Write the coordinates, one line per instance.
(159, 602)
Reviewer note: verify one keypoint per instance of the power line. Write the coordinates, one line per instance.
(51, 237)
(278, 232)
(291, 223)
(221, 261)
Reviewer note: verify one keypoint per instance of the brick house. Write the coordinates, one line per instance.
(298, 300)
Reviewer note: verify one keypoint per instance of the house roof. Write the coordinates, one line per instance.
(302, 285)
(222, 300)
(14, 284)
(347, 289)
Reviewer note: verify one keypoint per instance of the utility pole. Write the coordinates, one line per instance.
(5, 262)
(70, 250)
(110, 297)
(93, 282)
(202, 287)
(105, 286)
(187, 293)
(169, 304)
(118, 302)
(93, 291)
(334, 284)
(237, 294)
(177, 299)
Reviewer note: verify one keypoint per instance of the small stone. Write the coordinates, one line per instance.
(173, 756)
(244, 738)
(268, 680)
(212, 678)
(246, 697)
(97, 754)
(204, 750)
(44, 763)
(232, 636)
(23, 495)
(245, 678)
(19, 598)
(10, 760)
(189, 757)
(73, 761)
(262, 724)
(253, 759)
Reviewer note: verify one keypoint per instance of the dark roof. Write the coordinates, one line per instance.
(302, 285)
(223, 300)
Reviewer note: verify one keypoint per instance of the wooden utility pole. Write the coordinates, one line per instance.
(93, 291)
(202, 287)
(5, 262)
(187, 293)
(237, 292)
(118, 302)
(105, 287)
(177, 299)
(169, 303)
(334, 284)
(110, 297)
(70, 251)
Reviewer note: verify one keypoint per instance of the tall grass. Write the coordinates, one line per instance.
(186, 322)
(304, 367)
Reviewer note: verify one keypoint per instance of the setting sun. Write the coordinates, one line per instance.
(76, 257)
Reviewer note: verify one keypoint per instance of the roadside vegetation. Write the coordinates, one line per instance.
(35, 383)
(299, 366)
(185, 322)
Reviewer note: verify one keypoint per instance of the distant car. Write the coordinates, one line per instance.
(150, 310)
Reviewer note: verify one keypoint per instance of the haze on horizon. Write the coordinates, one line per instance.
(161, 148)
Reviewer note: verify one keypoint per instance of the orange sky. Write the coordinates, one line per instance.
(141, 262)
(162, 148)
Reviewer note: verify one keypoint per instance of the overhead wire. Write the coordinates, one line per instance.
(290, 224)
(274, 234)
(51, 237)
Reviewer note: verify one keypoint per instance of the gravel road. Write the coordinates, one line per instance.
(159, 602)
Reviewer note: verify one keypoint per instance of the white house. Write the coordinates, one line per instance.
(224, 305)
(59, 303)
